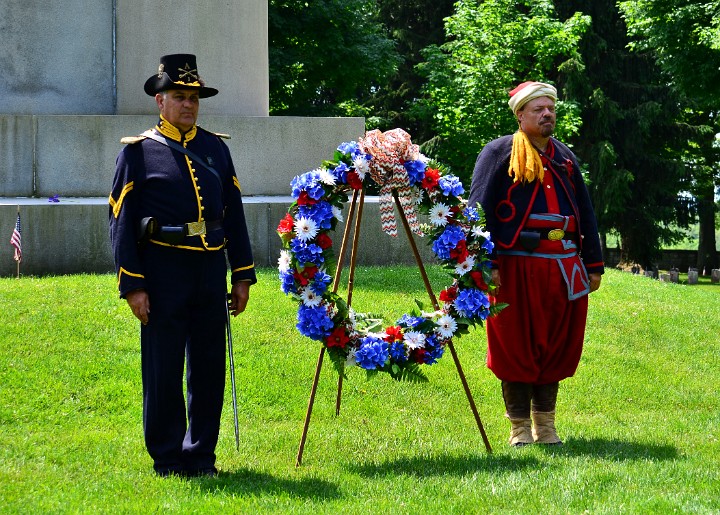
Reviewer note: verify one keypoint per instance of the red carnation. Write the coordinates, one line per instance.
(338, 338)
(449, 294)
(306, 275)
(418, 355)
(323, 241)
(354, 181)
(305, 200)
(394, 333)
(459, 253)
(430, 181)
(479, 280)
(286, 225)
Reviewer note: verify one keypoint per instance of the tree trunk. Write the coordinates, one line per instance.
(707, 257)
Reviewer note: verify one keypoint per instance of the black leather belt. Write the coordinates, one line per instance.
(174, 234)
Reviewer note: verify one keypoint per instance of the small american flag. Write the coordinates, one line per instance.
(16, 240)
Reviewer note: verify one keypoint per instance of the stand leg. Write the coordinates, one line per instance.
(436, 306)
(298, 462)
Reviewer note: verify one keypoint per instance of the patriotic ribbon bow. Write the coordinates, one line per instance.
(390, 150)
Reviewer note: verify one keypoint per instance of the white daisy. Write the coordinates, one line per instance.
(414, 340)
(464, 267)
(284, 261)
(310, 298)
(439, 214)
(337, 213)
(479, 231)
(446, 326)
(305, 229)
(325, 176)
(362, 166)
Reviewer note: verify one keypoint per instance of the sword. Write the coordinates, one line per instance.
(232, 373)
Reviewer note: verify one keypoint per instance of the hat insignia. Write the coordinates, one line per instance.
(161, 70)
(188, 72)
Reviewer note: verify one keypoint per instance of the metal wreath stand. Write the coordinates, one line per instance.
(356, 206)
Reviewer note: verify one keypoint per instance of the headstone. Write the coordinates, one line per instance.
(665, 278)
(692, 275)
(650, 274)
(674, 275)
(715, 275)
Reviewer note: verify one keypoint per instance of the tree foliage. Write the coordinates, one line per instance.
(325, 55)
(493, 45)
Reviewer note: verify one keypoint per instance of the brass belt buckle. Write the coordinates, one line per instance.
(196, 228)
(556, 234)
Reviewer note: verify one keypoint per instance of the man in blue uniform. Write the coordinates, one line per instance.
(175, 212)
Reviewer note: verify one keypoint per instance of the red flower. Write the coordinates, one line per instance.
(418, 355)
(286, 225)
(306, 275)
(394, 334)
(354, 181)
(338, 338)
(305, 200)
(479, 280)
(449, 294)
(430, 181)
(460, 253)
(323, 241)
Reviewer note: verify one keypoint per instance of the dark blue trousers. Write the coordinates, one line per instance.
(187, 291)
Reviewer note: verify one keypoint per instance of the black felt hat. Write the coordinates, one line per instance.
(178, 71)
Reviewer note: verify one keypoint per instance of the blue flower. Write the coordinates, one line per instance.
(409, 320)
(287, 282)
(307, 252)
(372, 354)
(447, 241)
(349, 147)
(314, 322)
(433, 350)
(340, 173)
(451, 185)
(320, 282)
(416, 170)
(397, 352)
(488, 245)
(308, 182)
(472, 303)
(471, 214)
(321, 213)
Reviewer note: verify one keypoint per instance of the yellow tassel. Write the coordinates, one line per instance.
(525, 162)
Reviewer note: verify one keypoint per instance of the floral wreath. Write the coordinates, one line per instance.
(457, 235)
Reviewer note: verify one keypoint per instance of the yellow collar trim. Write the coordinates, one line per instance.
(168, 130)
(525, 162)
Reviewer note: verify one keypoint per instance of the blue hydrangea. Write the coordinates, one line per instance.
(372, 353)
(320, 282)
(472, 303)
(409, 321)
(416, 171)
(397, 352)
(433, 350)
(307, 252)
(308, 182)
(451, 185)
(287, 282)
(488, 245)
(314, 322)
(321, 213)
(447, 241)
(349, 147)
(340, 173)
(472, 214)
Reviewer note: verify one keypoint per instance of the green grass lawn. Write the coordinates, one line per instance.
(640, 420)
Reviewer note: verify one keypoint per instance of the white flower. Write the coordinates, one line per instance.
(439, 214)
(350, 361)
(361, 166)
(305, 229)
(310, 298)
(446, 326)
(479, 231)
(325, 176)
(284, 261)
(337, 213)
(414, 340)
(422, 157)
(464, 267)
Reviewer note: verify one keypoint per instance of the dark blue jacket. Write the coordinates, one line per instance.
(508, 204)
(152, 180)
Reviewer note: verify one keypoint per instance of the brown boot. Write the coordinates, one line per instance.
(517, 408)
(543, 430)
(520, 432)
